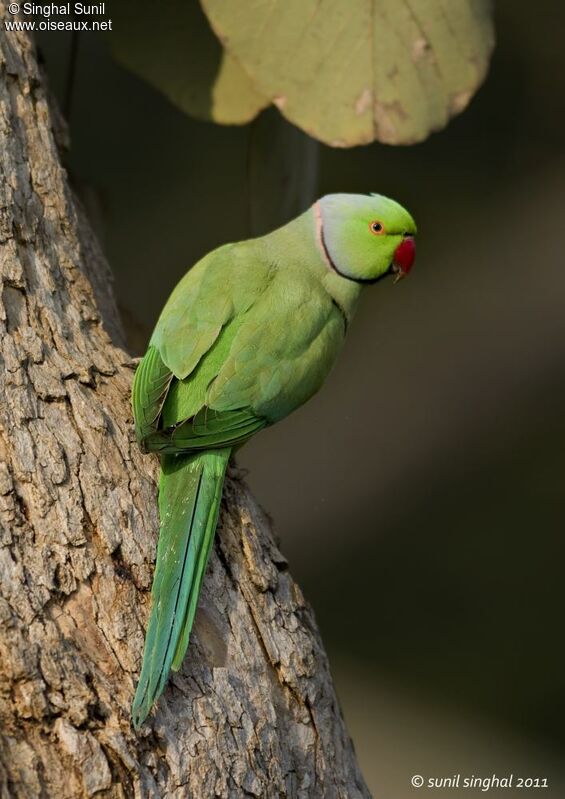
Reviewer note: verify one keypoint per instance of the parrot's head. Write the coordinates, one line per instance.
(365, 237)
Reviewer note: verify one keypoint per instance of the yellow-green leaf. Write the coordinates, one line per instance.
(351, 71)
(171, 46)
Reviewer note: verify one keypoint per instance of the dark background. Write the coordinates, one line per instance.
(419, 496)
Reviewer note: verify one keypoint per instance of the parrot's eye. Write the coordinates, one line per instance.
(376, 227)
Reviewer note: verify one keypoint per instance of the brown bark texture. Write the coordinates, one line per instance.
(253, 711)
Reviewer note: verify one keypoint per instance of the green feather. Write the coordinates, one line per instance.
(150, 387)
(190, 492)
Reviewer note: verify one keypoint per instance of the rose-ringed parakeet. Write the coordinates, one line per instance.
(248, 335)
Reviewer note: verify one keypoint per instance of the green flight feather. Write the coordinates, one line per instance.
(190, 492)
(150, 386)
(230, 428)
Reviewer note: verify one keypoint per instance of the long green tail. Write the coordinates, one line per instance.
(190, 492)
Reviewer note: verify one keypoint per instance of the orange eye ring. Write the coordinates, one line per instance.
(376, 227)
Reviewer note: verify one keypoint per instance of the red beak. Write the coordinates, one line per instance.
(404, 256)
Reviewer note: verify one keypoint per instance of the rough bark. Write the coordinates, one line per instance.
(253, 711)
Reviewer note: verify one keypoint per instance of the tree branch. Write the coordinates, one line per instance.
(253, 711)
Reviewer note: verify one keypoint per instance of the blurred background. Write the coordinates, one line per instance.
(420, 496)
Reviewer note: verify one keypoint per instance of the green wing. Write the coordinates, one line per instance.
(219, 289)
(239, 345)
(190, 345)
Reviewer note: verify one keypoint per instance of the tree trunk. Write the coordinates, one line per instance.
(253, 711)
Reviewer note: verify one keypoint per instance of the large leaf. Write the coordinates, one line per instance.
(351, 71)
(172, 47)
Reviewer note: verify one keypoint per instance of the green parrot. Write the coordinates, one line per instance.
(249, 334)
